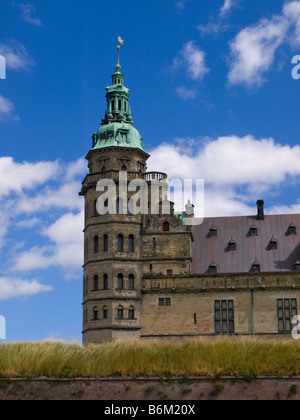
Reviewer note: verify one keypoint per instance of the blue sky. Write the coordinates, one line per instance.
(211, 89)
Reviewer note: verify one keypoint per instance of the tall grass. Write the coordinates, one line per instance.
(238, 357)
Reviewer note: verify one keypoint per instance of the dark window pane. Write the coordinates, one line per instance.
(224, 315)
(294, 312)
(131, 282)
(230, 304)
(287, 325)
(131, 243)
(131, 313)
(105, 282)
(280, 313)
(231, 327)
(161, 302)
(168, 302)
(218, 327)
(280, 303)
(105, 243)
(231, 314)
(280, 326)
(224, 304)
(120, 281)
(224, 327)
(217, 304)
(120, 243)
(287, 313)
(218, 315)
(105, 313)
(294, 303)
(120, 313)
(286, 303)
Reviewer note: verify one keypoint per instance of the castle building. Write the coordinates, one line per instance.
(151, 275)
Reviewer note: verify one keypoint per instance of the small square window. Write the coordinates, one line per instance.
(161, 302)
(292, 230)
(273, 245)
(168, 302)
(253, 232)
(169, 273)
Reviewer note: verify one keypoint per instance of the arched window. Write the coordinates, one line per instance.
(105, 312)
(120, 281)
(120, 243)
(131, 312)
(95, 208)
(131, 243)
(96, 283)
(96, 314)
(120, 312)
(105, 282)
(256, 267)
(120, 209)
(96, 244)
(166, 227)
(124, 168)
(105, 243)
(131, 282)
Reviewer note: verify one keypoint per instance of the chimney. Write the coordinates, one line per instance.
(260, 210)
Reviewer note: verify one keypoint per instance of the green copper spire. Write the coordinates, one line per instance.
(117, 127)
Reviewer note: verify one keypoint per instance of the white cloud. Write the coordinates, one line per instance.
(192, 59)
(18, 177)
(13, 288)
(253, 51)
(229, 165)
(7, 109)
(227, 7)
(28, 12)
(65, 250)
(16, 56)
(185, 93)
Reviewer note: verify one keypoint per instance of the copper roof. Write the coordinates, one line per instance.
(250, 250)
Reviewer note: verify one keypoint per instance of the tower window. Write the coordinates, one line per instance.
(166, 227)
(120, 312)
(95, 208)
(96, 244)
(105, 312)
(103, 169)
(131, 282)
(105, 243)
(105, 282)
(124, 168)
(96, 314)
(96, 283)
(131, 243)
(120, 281)
(131, 312)
(120, 105)
(120, 243)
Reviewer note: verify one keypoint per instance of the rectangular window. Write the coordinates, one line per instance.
(164, 302)
(224, 317)
(169, 273)
(287, 309)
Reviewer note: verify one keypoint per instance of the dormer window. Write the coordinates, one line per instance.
(213, 232)
(273, 245)
(213, 268)
(297, 266)
(256, 268)
(253, 231)
(232, 245)
(292, 229)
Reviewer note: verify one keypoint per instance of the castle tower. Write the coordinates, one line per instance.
(112, 260)
(122, 248)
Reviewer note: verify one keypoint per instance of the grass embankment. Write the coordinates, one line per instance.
(223, 357)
